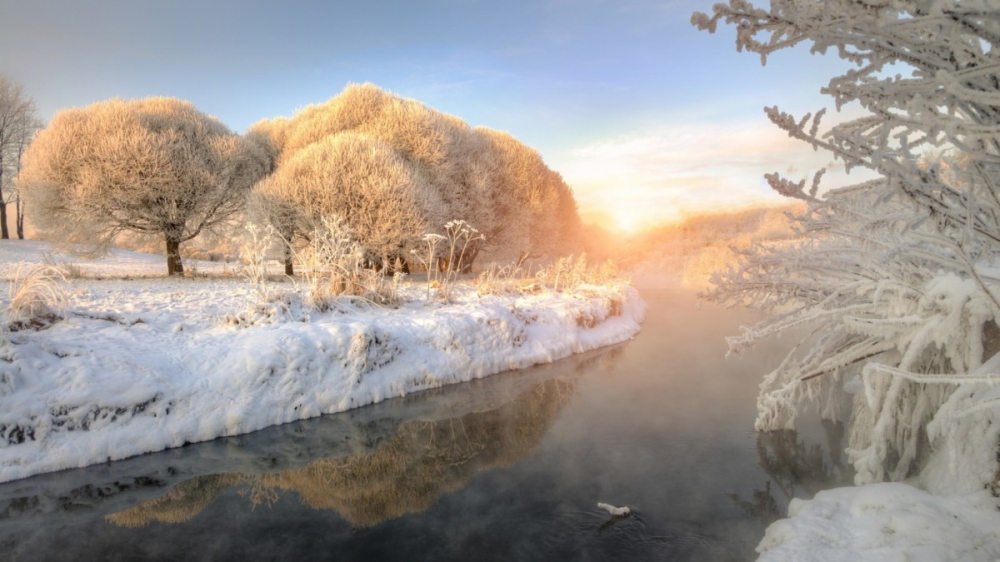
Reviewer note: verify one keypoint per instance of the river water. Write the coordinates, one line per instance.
(507, 468)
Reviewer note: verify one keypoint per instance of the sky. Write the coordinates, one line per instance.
(647, 118)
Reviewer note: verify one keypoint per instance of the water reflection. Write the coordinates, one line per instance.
(406, 473)
(797, 468)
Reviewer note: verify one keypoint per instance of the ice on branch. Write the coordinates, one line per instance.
(891, 282)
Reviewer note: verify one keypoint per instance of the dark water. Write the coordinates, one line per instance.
(507, 468)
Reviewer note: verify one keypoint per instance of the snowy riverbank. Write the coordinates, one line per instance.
(144, 365)
(883, 522)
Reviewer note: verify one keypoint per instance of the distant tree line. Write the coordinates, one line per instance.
(391, 168)
(18, 123)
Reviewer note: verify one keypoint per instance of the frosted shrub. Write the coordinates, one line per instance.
(446, 256)
(894, 277)
(266, 304)
(503, 280)
(257, 240)
(569, 273)
(427, 258)
(335, 267)
(463, 243)
(556, 274)
(35, 296)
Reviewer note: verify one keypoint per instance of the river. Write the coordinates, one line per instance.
(506, 468)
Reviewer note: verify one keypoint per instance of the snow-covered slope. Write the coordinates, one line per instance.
(143, 365)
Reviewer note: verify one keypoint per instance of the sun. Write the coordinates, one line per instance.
(627, 222)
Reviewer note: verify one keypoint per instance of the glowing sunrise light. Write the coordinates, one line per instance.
(627, 222)
(661, 175)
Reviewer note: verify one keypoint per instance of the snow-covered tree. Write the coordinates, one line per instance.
(18, 123)
(155, 166)
(483, 177)
(26, 133)
(895, 276)
(533, 204)
(358, 178)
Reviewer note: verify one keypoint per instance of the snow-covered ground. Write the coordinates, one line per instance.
(886, 522)
(117, 264)
(140, 365)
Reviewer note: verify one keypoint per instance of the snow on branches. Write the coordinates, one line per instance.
(896, 277)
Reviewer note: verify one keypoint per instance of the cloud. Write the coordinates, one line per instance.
(662, 174)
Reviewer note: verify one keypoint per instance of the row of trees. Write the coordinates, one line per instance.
(18, 123)
(391, 168)
(408, 170)
(896, 276)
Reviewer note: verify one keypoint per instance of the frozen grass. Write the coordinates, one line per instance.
(565, 274)
(35, 297)
(335, 267)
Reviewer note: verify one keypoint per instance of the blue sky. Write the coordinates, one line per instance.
(646, 117)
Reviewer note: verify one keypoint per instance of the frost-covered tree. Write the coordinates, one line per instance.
(26, 133)
(155, 166)
(895, 276)
(535, 208)
(18, 122)
(358, 178)
(485, 178)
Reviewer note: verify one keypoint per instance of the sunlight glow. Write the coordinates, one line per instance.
(627, 222)
(662, 175)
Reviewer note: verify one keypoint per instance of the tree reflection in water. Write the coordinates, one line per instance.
(406, 474)
(797, 469)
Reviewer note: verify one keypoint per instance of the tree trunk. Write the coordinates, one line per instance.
(174, 265)
(4, 233)
(467, 259)
(19, 220)
(18, 207)
(468, 256)
(289, 270)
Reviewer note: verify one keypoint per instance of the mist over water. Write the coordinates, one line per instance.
(507, 468)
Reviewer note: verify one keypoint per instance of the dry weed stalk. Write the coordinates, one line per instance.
(36, 297)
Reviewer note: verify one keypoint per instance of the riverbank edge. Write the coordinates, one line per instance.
(89, 390)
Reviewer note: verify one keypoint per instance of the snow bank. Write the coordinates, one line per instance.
(144, 365)
(885, 522)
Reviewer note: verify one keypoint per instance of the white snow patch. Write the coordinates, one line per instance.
(885, 522)
(117, 263)
(614, 511)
